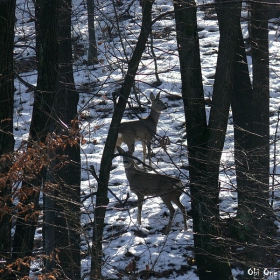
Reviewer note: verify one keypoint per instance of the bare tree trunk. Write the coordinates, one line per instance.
(7, 22)
(47, 45)
(63, 202)
(65, 108)
(242, 119)
(251, 117)
(106, 161)
(205, 143)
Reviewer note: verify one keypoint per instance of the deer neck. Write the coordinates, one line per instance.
(131, 174)
(154, 116)
(133, 170)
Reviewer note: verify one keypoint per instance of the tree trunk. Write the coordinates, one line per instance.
(63, 202)
(65, 109)
(92, 51)
(108, 154)
(242, 119)
(251, 118)
(47, 46)
(7, 22)
(205, 144)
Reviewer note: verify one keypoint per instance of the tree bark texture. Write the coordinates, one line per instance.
(205, 142)
(242, 119)
(47, 56)
(251, 118)
(67, 238)
(7, 22)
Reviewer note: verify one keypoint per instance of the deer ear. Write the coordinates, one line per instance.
(152, 96)
(158, 96)
(120, 150)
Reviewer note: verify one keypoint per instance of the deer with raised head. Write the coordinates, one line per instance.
(141, 130)
(142, 183)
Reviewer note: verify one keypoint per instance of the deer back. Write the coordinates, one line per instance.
(137, 130)
(152, 184)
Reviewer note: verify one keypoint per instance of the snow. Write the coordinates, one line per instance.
(124, 239)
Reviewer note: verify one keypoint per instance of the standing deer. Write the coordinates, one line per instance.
(142, 183)
(141, 130)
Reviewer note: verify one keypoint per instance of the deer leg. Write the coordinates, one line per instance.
(171, 209)
(177, 201)
(140, 204)
(149, 151)
(144, 150)
(131, 147)
(118, 142)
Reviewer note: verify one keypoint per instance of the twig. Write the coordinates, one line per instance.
(88, 196)
(158, 82)
(128, 8)
(31, 87)
(93, 173)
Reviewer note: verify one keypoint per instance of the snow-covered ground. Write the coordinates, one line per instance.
(124, 239)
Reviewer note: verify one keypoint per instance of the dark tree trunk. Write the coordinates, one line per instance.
(47, 55)
(92, 51)
(67, 238)
(251, 119)
(7, 22)
(205, 144)
(260, 125)
(242, 117)
(194, 106)
(108, 154)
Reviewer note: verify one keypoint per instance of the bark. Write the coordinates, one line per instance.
(62, 203)
(47, 57)
(108, 154)
(70, 173)
(242, 119)
(205, 143)
(251, 118)
(47, 46)
(7, 22)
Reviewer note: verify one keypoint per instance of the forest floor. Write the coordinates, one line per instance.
(132, 251)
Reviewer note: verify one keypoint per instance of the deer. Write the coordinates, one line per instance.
(141, 130)
(143, 183)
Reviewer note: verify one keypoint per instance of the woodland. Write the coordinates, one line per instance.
(197, 79)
